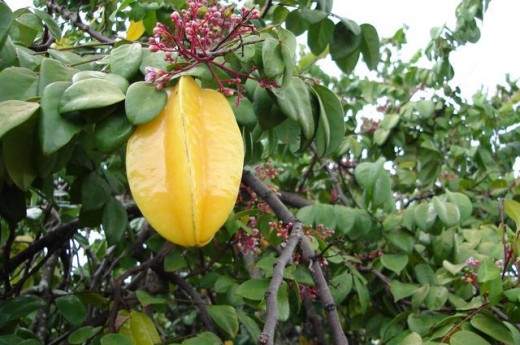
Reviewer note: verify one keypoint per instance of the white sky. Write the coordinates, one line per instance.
(483, 64)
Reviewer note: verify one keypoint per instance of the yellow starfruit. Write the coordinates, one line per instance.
(184, 167)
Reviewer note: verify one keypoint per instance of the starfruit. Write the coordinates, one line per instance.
(184, 167)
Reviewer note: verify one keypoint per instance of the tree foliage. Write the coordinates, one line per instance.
(396, 228)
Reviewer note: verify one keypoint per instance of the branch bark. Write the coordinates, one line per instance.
(283, 213)
(75, 20)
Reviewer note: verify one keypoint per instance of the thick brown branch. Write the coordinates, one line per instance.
(294, 199)
(283, 213)
(74, 19)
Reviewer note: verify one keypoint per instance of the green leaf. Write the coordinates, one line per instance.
(467, 337)
(512, 209)
(18, 154)
(436, 297)
(55, 131)
(144, 102)
(425, 108)
(370, 45)
(283, 302)
(515, 333)
(250, 324)
(225, 317)
(114, 220)
(331, 125)
(81, 335)
(401, 240)
(340, 287)
(363, 294)
(487, 271)
(320, 35)
(112, 132)
(295, 103)
(13, 113)
(448, 213)
(12, 204)
(126, 59)
(117, 339)
(114, 78)
(425, 216)
(462, 202)
(139, 328)
(288, 50)
(375, 180)
(347, 64)
(401, 290)
(8, 54)
(205, 338)
(492, 327)
(153, 59)
(312, 16)
(146, 299)
(395, 262)
(266, 110)
(419, 296)
(6, 18)
(244, 112)
(72, 309)
(69, 58)
(51, 71)
(174, 261)
(22, 84)
(344, 41)
(425, 274)
(18, 307)
(272, 57)
(94, 192)
(90, 94)
(253, 289)
(295, 23)
(49, 22)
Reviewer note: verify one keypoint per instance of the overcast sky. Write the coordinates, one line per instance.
(483, 64)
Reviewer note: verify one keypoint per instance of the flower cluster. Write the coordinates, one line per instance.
(320, 231)
(282, 230)
(267, 171)
(203, 32)
(309, 291)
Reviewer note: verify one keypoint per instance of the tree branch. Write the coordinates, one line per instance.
(283, 213)
(294, 199)
(74, 19)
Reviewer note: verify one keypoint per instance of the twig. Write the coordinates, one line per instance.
(267, 336)
(294, 199)
(192, 293)
(75, 20)
(283, 213)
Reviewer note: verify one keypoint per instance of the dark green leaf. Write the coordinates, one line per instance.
(174, 261)
(112, 132)
(312, 16)
(295, 23)
(90, 94)
(253, 289)
(94, 192)
(205, 338)
(12, 204)
(115, 221)
(18, 154)
(344, 41)
(331, 125)
(250, 324)
(347, 65)
(319, 36)
(117, 339)
(370, 45)
(81, 335)
(225, 317)
(72, 309)
(18, 307)
(266, 110)
(244, 112)
(363, 294)
(340, 287)
(144, 102)
(49, 22)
